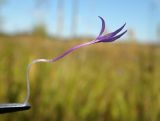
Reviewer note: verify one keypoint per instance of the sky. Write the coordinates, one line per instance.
(141, 16)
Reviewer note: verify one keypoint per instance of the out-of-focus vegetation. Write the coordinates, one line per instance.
(102, 82)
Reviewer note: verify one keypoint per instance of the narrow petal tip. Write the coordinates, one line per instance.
(117, 31)
(103, 26)
(115, 37)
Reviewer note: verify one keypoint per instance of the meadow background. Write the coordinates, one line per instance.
(117, 81)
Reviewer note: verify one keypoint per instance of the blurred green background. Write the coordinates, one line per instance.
(117, 81)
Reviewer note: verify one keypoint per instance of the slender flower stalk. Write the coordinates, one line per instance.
(101, 38)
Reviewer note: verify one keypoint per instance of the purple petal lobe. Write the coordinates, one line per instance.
(116, 32)
(110, 39)
(103, 26)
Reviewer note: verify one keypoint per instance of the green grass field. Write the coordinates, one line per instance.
(101, 82)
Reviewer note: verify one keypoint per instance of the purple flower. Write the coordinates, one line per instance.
(101, 38)
(111, 36)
